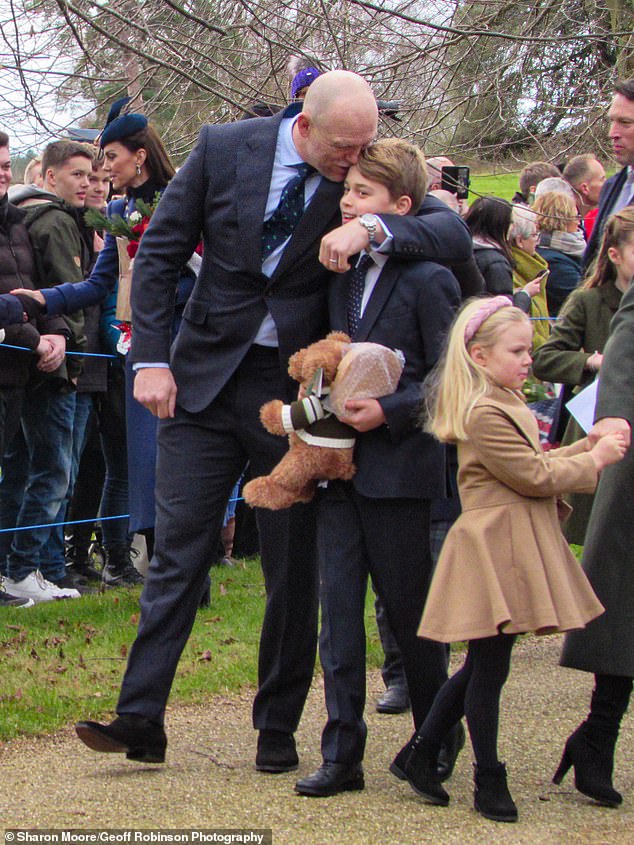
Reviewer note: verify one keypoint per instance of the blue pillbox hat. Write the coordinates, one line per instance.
(119, 125)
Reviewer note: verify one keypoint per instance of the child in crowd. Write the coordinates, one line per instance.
(573, 354)
(377, 525)
(505, 567)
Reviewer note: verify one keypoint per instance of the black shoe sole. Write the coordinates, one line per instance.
(493, 817)
(276, 768)
(350, 786)
(99, 741)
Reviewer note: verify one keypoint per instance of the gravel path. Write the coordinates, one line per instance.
(209, 780)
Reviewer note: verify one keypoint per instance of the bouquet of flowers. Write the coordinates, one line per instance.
(132, 228)
(128, 232)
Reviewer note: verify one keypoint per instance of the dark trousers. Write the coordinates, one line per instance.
(200, 458)
(387, 539)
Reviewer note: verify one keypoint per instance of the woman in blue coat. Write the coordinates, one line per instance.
(139, 169)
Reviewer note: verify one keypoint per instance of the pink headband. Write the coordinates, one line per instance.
(486, 309)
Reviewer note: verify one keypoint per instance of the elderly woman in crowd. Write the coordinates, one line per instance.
(529, 266)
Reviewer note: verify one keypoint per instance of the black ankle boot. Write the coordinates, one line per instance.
(420, 768)
(119, 571)
(491, 797)
(593, 762)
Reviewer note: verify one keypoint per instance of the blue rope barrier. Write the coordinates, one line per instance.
(82, 521)
(81, 354)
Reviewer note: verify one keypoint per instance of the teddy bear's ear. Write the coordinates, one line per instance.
(342, 337)
(295, 364)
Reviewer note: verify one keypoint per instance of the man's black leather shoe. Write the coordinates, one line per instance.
(135, 736)
(330, 779)
(395, 699)
(276, 752)
(449, 750)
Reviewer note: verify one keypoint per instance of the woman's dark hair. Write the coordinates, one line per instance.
(490, 218)
(157, 160)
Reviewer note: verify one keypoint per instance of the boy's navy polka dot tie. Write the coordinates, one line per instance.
(355, 292)
(281, 224)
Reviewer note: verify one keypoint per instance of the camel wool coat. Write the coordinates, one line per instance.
(505, 566)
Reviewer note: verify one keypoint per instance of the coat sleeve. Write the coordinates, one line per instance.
(11, 310)
(562, 358)
(436, 233)
(510, 458)
(616, 385)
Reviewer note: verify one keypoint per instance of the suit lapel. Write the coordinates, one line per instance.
(380, 294)
(316, 220)
(254, 168)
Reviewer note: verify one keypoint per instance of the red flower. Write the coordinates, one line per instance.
(137, 230)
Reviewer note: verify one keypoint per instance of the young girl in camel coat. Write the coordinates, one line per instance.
(505, 567)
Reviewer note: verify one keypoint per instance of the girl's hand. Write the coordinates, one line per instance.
(608, 450)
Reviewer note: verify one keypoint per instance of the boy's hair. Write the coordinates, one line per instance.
(57, 153)
(618, 228)
(28, 170)
(458, 382)
(398, 165)
(533, 174)
(4, 140)
(555, 211)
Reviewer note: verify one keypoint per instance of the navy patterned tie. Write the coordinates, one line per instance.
(281, 224)
(355, 292)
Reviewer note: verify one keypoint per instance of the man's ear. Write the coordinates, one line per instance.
(303, 125)
(49, 177)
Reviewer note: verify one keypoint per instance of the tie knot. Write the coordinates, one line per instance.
(365, 262)
(304, 170)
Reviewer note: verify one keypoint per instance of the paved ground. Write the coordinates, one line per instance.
(209, 781)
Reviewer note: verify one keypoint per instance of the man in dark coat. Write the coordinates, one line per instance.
(606, 646)
(260, 296)
(618, 191)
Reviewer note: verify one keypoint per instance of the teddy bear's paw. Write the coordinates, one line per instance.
(263, 492)
(271, 416)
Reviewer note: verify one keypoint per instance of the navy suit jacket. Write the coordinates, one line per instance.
(221, 192)
(411, 308)
(609, 193)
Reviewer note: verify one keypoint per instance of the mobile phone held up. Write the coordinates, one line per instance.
(456, 180)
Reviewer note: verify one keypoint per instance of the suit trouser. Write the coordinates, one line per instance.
(387, 539)
(200, 458)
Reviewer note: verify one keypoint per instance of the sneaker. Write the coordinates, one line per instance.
(7, 600)
(37, 588)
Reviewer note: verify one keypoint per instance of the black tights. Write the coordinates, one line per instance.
(474, 691)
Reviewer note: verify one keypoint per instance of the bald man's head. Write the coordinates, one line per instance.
(338, 120)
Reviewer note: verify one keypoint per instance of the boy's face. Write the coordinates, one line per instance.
(70, 180)
(98, 189)
(364, 196)
(5, 171)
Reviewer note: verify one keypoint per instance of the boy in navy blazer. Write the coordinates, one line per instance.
(378, 524)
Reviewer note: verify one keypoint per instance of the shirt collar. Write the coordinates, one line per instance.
(288, 155)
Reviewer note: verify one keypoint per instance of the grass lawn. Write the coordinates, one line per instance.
(502, 185)
(63, 661)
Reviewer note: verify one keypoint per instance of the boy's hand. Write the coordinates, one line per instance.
(337, 246)
(26, 293)
(363, 414)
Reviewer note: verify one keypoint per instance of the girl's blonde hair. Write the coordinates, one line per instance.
(458, 382)
(618, 229)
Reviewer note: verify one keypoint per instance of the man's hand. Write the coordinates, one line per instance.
(363, 414)
(337, 246)
(155, 388)
(51, 351)
(610, 425)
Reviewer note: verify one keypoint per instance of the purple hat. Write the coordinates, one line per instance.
(303, 79)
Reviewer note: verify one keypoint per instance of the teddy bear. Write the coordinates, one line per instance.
(320, 445)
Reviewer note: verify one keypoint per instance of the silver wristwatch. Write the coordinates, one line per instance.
(369, 222)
